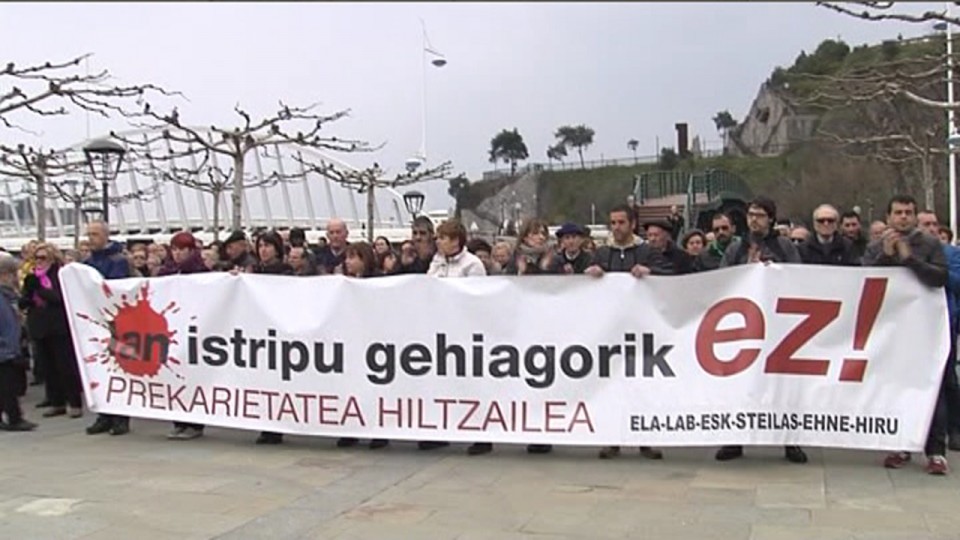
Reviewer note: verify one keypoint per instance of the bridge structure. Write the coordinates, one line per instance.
(307, 200)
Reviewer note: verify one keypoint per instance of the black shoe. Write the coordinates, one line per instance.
(267, 437)
(44, 403)
(120, 427)
(22, 425)
(480, 448)
(347, 442)
(101, 425)
(431, 445)
(954, 442)
(794, 454)
(650, 453)
(539, 448)
(36, 382)
(376, 444)
(726, 453)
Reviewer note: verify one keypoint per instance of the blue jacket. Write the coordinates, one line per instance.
(110, 262)
(9, 326)
(952, 253)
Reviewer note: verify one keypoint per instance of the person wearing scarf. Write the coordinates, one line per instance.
(48, 328)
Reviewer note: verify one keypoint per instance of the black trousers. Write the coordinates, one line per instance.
(952, 389)
(10, 374)
(941, 422)
(62, 374)
(186, 425)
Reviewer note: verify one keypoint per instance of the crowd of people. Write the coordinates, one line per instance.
(909, 237)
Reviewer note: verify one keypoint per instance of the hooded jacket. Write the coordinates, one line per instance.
(110, 261)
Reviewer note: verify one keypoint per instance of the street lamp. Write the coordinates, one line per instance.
(951, 126)
(104, 157)
(436, 59)
(413, 200)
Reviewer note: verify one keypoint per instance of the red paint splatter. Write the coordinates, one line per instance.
(139, 336)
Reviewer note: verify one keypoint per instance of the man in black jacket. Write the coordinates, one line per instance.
(625, 253)
(671, 260)
(827, 246)
(852, 229)
(723, 231)
(904, 244)
(570, 258)
(763, 244)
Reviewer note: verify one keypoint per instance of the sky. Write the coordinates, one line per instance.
(627, 70)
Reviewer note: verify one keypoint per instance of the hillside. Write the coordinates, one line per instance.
(854, 153)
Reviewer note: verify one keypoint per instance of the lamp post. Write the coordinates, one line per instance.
(104, 157)
(413, 201)
(435, 58)
(952, 138)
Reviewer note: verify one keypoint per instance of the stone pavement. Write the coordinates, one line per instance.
(58, 483)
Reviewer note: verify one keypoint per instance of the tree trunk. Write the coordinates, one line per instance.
(929, 193)
(76, 223)
(513, 167)
(580, 151)
(236, 196)
(41, 216)
(370, 205)
(216, 215)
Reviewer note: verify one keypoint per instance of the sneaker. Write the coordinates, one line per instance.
(480, 448)
(650, 453)
(56, 411)
(376, 444)
(101, 425)
(609, 452)
(431, 445)
(794, 454)
(726, 453)
(347, 442)
(937, 466)
(120, 427)
(23, 425)
(176, 433)
(896, 460)
(539, 448)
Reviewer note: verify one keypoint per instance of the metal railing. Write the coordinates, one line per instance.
(711, 182)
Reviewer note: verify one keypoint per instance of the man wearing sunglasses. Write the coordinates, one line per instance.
(723, 230)
(827, 246)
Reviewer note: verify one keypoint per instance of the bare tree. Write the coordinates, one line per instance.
(47, 173)
(370, 179)
(51, 89)
(294, 127)
(888, 11)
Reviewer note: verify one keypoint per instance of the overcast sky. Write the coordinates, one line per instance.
(626, 70)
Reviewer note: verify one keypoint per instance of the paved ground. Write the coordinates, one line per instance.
(58, 483)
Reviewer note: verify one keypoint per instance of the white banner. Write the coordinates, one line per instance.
(842, 357)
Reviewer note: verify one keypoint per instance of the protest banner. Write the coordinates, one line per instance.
(777, 354)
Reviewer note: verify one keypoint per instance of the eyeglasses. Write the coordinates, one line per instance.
(42, 258)
(826, 220)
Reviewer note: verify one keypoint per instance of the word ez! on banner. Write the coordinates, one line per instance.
(843, 357)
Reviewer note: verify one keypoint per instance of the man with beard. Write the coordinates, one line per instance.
(851, 229)
(625, 253)
(763, 244)
(827, 246)
(723, 231)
